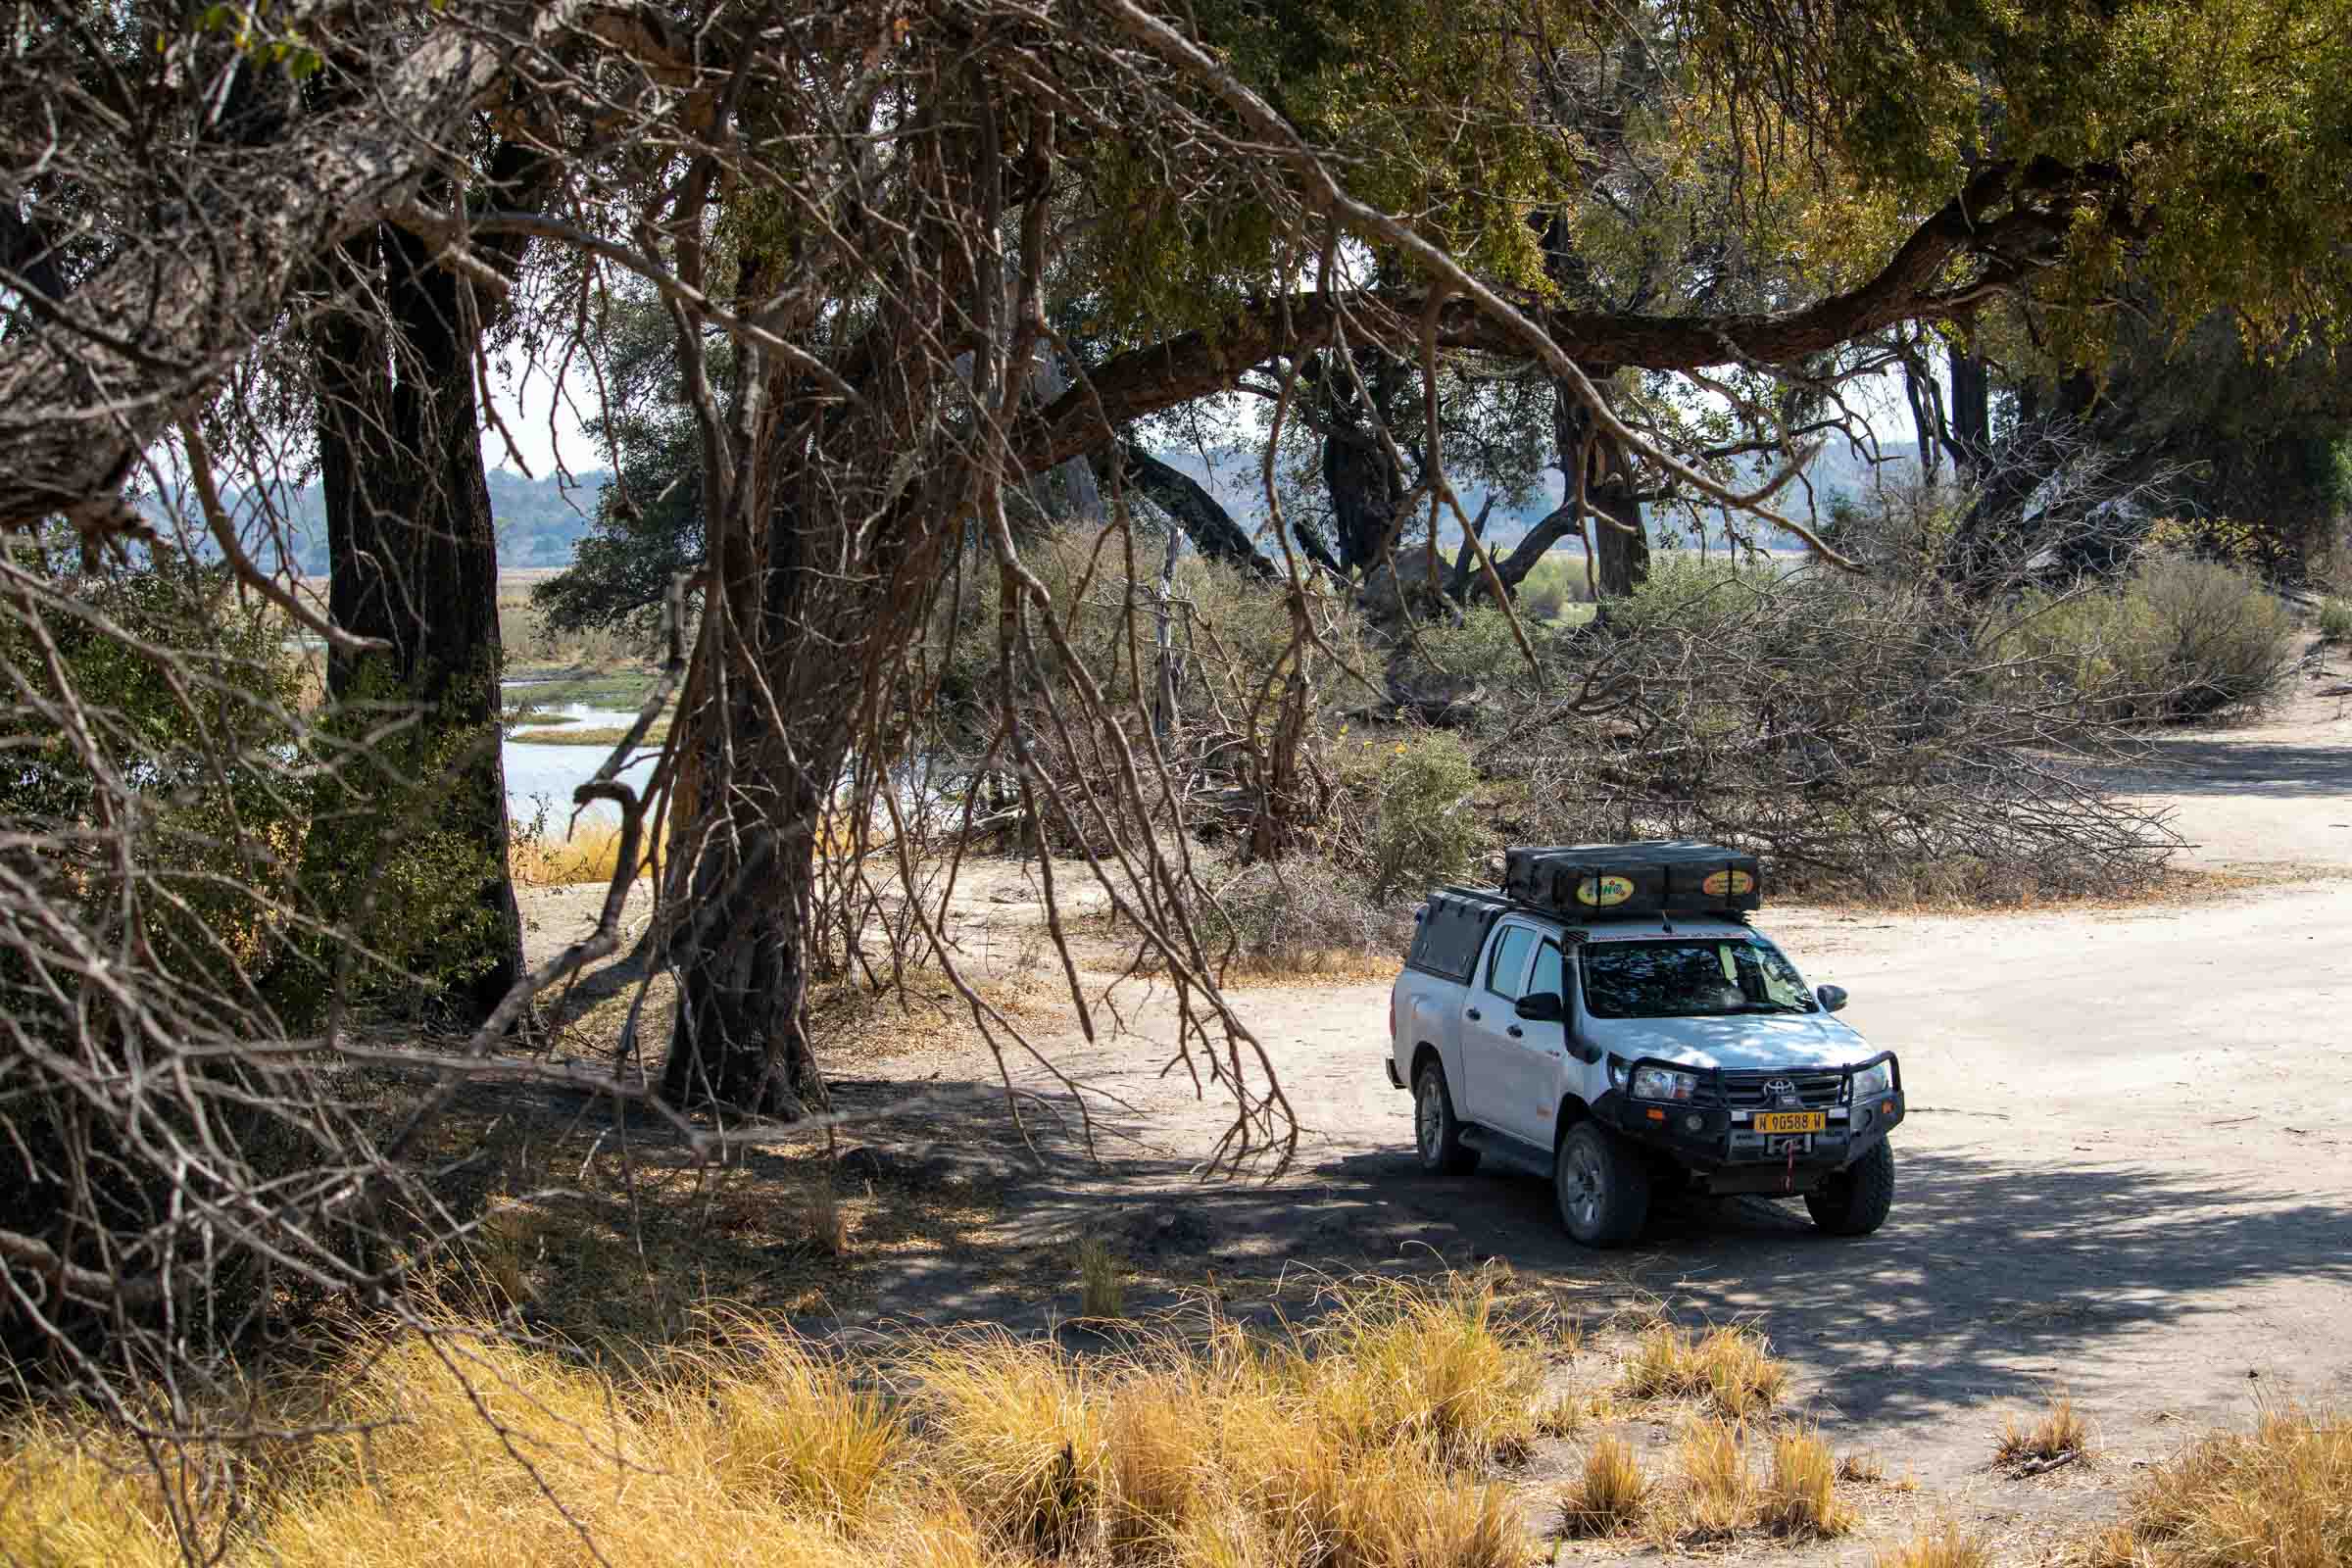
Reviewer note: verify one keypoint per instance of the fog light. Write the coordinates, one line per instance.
(1694, 1123)
(1655, 1114)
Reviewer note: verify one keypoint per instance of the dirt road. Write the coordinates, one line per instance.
(2127, 1171)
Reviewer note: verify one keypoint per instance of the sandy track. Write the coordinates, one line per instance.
(2128, 1172)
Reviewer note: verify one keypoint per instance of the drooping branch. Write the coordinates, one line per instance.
(1203, 518)
(1911, 287)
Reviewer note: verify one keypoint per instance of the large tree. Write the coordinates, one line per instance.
(871, 205)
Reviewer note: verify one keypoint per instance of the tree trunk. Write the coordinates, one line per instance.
(1364, 492)
(1972, 411)
(1623, 558)
(741, 1034)
(412, 556)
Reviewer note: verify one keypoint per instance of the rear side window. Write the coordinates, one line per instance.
(1508, 967)
(1450, 936)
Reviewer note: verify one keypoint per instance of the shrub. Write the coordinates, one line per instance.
(2335, 620)
(1301, 916)
(1424, 828)
(2180, 639)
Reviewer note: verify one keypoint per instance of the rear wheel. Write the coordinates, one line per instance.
(1855, 1201)
(1436, 1133)
(1602, 1185)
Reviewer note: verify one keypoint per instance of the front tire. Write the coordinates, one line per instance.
(1601, 1184)
(1854, 1202)
(1437, 1131)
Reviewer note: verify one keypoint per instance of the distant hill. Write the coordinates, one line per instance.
(539, 521)
(1232, 476)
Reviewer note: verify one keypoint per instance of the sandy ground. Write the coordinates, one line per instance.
(2127, 1173)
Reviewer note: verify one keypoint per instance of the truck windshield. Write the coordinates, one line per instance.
(1690, 978)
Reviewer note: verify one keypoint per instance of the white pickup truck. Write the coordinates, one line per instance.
(1614, 1056)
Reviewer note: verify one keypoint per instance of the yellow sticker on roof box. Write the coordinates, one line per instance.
(1600, 892)
(1728, 882)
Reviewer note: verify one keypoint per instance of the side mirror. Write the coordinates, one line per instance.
(1542, 1007)
(1832, 998)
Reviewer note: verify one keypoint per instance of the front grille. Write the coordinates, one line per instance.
(1815, 1091)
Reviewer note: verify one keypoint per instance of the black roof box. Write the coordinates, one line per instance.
(1662, 876)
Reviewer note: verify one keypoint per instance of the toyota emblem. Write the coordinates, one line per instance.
(1779, 1087)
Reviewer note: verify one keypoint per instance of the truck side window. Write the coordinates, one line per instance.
(1508, 967)
(1548, 975)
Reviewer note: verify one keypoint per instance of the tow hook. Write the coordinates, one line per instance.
(1788, 1173)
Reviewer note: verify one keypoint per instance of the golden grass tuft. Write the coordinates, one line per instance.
(1102, 1294)
(1357, 1443)
(1732, 1369)
(1946, 1546)
(2061, 1434)
(2279, 1496)
(589, 854)
(1801, 1498)
(1607, 1496)
(775, 1417)
(1394, 1363)
(1717, 1497)
(1018, 1434)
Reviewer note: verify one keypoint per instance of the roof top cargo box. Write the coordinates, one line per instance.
(1598, 881)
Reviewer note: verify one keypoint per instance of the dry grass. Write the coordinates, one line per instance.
(1717, 1496)
(1102, 1294)
(1732, 1369)
(1571, 1413)
(1801, 1498)
(69, 1498)
(1608, 1495)
(1946, 1546)
(589, 854)
(815, 1215)
(2279, 1496)
(2059, 1436)
(1356, 1444)
(545, 733)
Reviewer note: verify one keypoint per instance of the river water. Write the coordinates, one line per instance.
(541, 774)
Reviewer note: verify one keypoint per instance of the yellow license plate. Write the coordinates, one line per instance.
(1790, 1121)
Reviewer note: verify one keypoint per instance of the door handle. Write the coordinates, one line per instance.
(1515, 1031)
(1473, 1015)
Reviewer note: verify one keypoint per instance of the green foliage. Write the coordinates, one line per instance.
(2335, 620)
(2180, 639)
(389, 866)
(150, 761)
(1414, 796)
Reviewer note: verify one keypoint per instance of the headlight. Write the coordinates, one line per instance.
(1656, 1083)
(1877, 1080)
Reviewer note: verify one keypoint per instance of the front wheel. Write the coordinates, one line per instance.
(1602, 1185)
(1436, 1133)
(1855, 1201)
